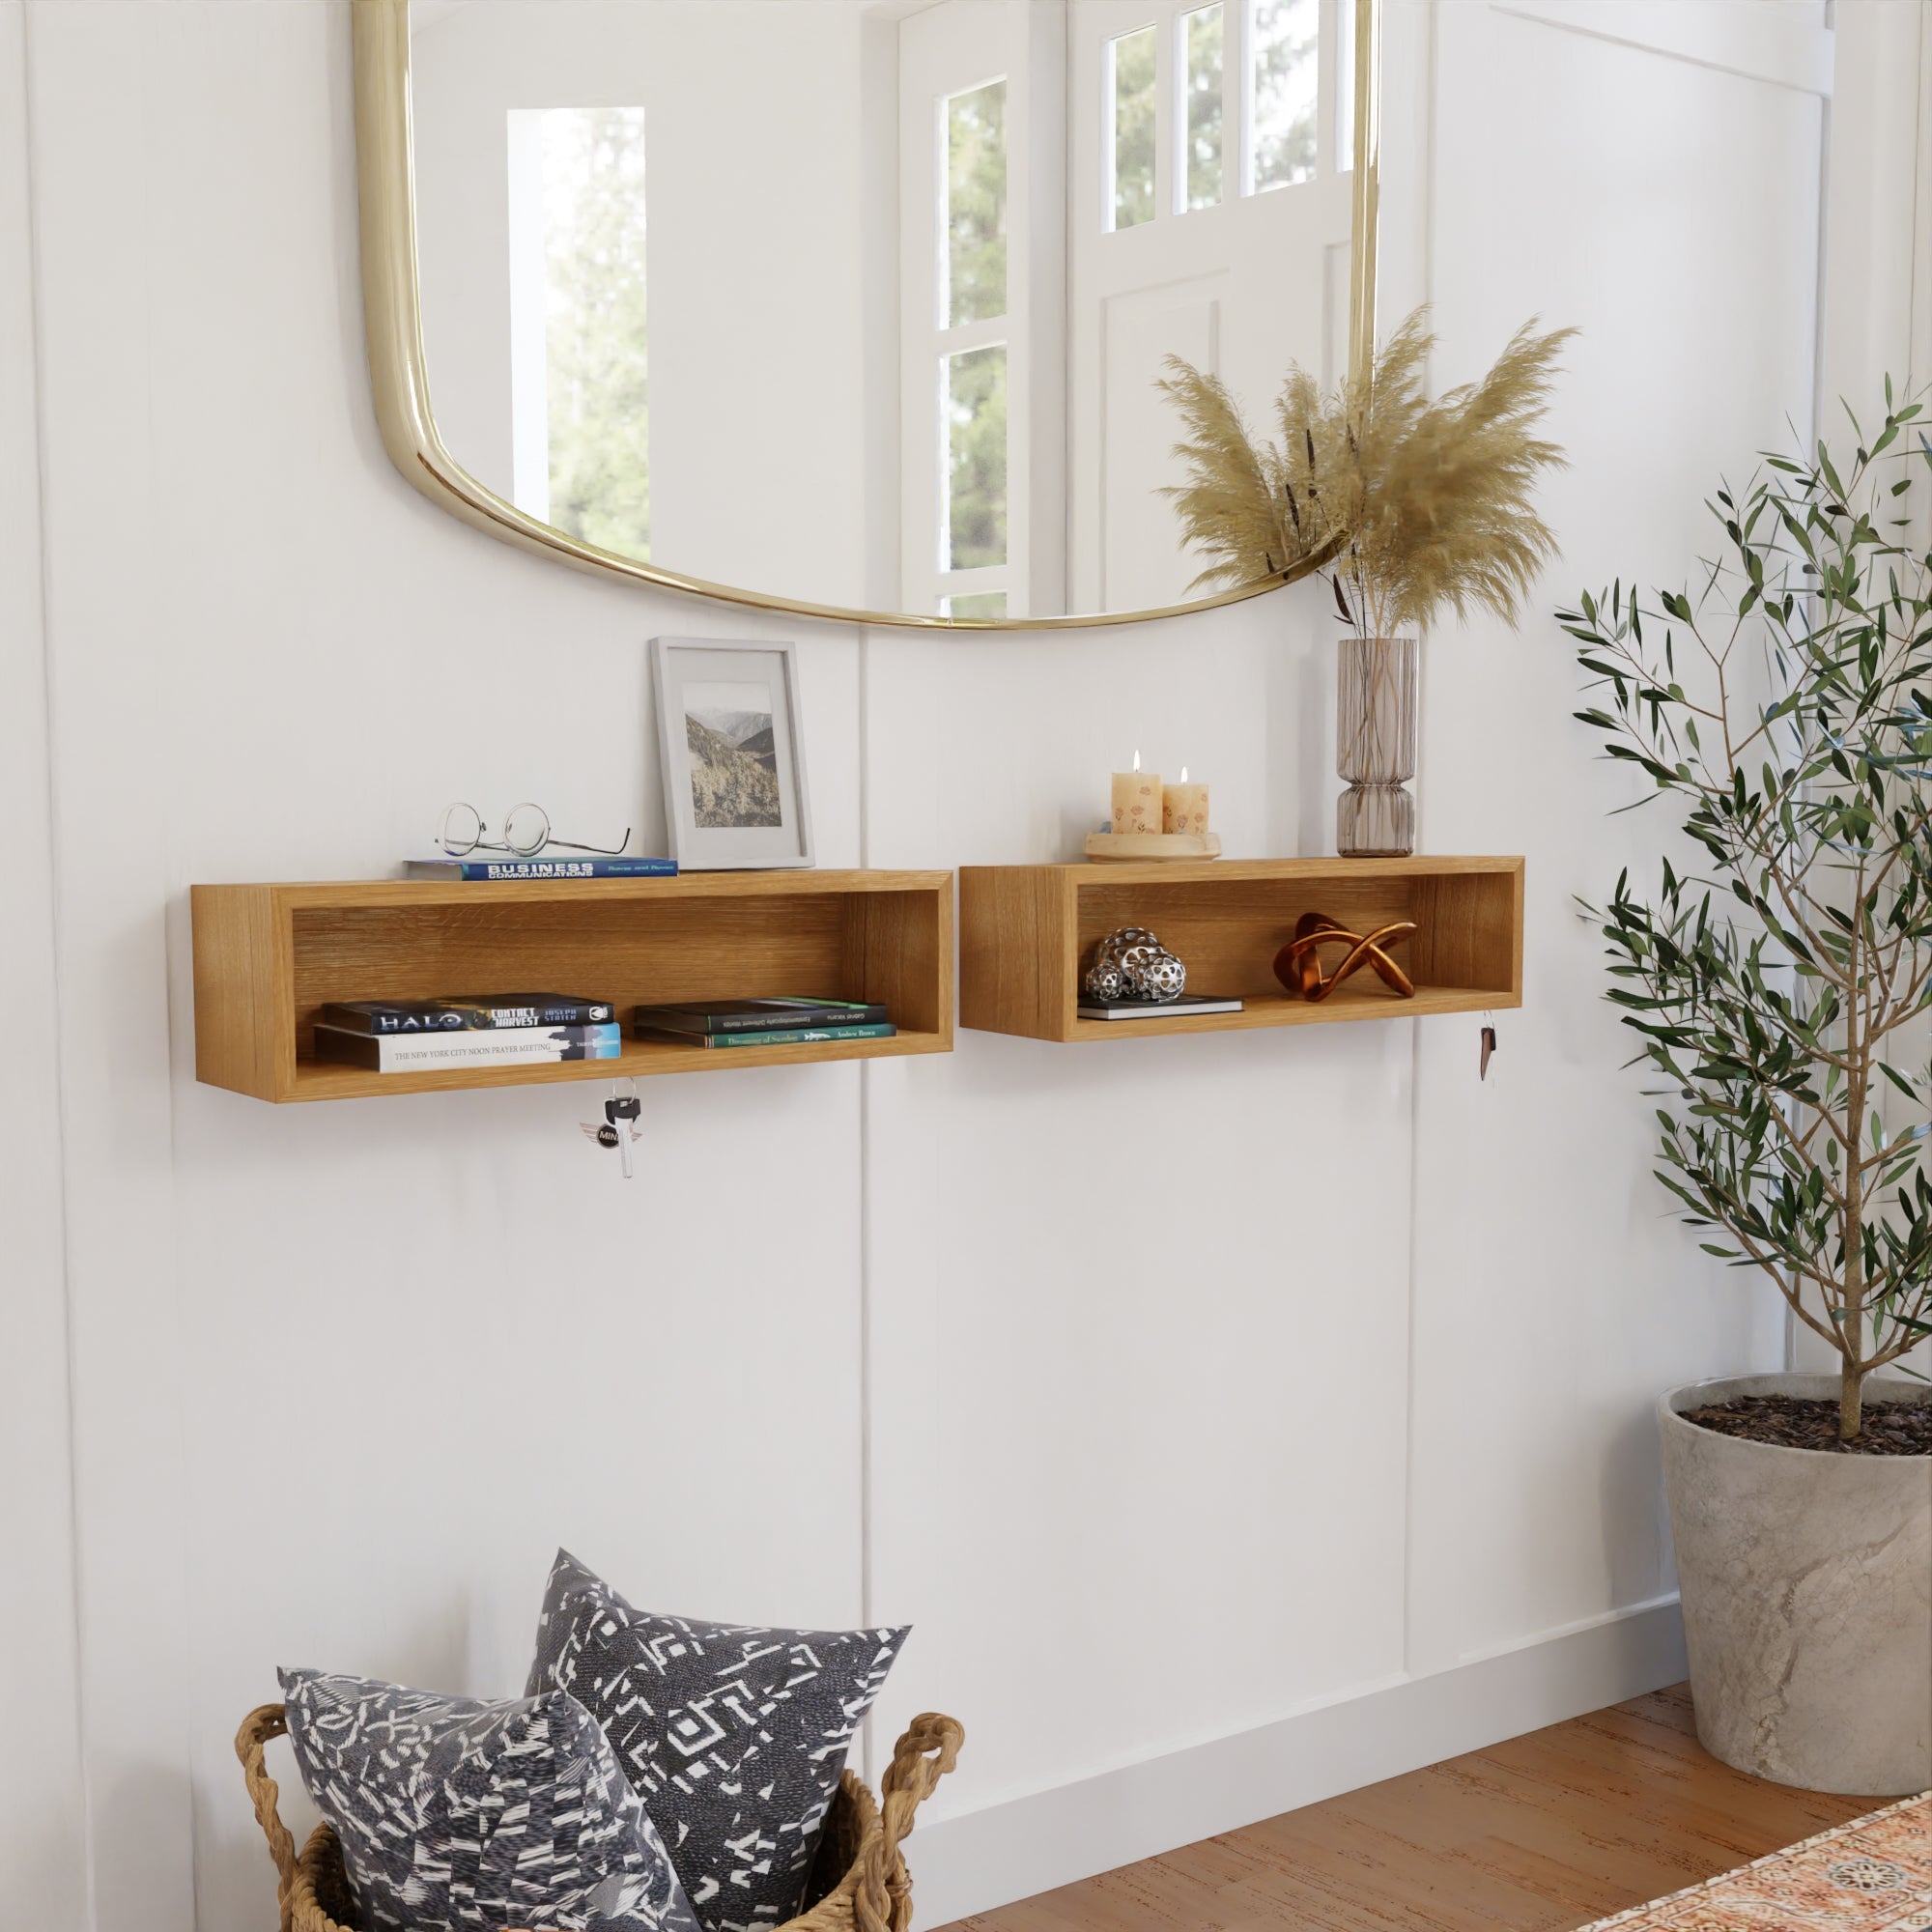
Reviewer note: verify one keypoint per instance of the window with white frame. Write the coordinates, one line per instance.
(1203, 70)
(1130, 103)
(1284, 92)
(580, 389)
(1243, 113)
(971, 362)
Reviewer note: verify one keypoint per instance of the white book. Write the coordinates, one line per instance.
(482, 1046)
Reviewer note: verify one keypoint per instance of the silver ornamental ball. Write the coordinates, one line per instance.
(1104, 981)
(1132, 964)
(1165, 979)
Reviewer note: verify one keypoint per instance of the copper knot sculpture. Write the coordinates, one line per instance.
(1298, 963)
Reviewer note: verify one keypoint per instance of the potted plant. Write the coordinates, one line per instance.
(1417, 506)
(1777, 971)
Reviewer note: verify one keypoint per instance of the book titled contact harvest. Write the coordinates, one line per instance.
(489, 1010)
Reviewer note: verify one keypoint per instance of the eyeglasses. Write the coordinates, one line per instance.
(526, 832)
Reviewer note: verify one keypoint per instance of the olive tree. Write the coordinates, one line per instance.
(1775, 968)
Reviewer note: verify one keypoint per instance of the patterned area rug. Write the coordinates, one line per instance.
(1872, 1875)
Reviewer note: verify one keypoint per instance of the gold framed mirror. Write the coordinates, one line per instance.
(884, 349)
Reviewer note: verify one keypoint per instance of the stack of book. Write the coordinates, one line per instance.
(794, 1021)
(479, 1030)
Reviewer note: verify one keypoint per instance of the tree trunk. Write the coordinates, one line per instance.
(1852, 1330)
(1851, 1400)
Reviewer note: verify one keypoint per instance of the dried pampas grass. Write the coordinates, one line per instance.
(1433, 501)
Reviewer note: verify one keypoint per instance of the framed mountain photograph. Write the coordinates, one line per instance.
(733, 753)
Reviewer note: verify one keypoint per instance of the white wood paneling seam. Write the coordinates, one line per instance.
(37, 328)
(1775, 51)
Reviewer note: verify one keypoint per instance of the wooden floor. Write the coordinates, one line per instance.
(1544, 1833)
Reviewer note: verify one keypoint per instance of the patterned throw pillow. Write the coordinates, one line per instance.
(456, 1814)
(733, 1735)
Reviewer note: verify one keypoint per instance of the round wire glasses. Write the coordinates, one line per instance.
(526, 832)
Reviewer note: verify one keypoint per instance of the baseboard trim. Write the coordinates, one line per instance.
(1027, 1845)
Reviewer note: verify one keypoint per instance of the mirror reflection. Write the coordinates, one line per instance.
(863, 302)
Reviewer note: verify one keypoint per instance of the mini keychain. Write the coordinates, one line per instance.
(619, 1129)
(1489, 1048)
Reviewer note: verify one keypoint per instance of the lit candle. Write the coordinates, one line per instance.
(1136, 800)
(1183, 806)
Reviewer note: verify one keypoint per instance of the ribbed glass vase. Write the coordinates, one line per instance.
(1374, 747)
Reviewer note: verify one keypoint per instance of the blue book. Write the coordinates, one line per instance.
(474, 868)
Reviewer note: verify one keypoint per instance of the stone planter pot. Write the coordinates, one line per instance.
(1806, 1580)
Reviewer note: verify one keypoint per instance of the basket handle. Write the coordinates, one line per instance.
(258, 1728)
(882, 1900)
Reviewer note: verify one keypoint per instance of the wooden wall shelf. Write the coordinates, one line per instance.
(268, 957)
(1027, 931)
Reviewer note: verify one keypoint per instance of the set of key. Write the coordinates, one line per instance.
(620, 1128)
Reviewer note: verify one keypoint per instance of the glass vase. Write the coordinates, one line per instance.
(1374, 747)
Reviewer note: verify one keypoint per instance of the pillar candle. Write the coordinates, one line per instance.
(1183, 806)
(1136, 800)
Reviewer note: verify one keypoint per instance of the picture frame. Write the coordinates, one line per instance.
(731, 747)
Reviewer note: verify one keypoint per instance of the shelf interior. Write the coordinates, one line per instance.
(269, 957)
(1027, 932)
(631, 950)
(1229, 929)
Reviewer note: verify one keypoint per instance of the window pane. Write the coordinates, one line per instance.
(1130, 102)
(598, 400)
(1203, 29)
(980, 603)
(975, 205)
(1287, 76)
(975, 458)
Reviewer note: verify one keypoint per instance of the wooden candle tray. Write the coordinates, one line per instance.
(1120, 848)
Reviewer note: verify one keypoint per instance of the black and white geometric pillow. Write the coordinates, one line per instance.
(454, 1814)
(733, 1735)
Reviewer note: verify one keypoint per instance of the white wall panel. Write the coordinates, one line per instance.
(1640, 195)
(42, 1824)
(346, 1377)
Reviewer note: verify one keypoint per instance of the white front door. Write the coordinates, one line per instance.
(1209, 171)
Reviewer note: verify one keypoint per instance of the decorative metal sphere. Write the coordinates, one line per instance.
(1163, 977)
(1132, 964)
(1104, 982)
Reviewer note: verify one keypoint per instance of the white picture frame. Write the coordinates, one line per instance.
(732, 751)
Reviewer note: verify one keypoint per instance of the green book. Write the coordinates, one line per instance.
(789, 1036)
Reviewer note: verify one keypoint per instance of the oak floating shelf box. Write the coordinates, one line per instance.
(266, 959)
(1027, 931)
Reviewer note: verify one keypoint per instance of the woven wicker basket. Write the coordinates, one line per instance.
(859, 1883)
